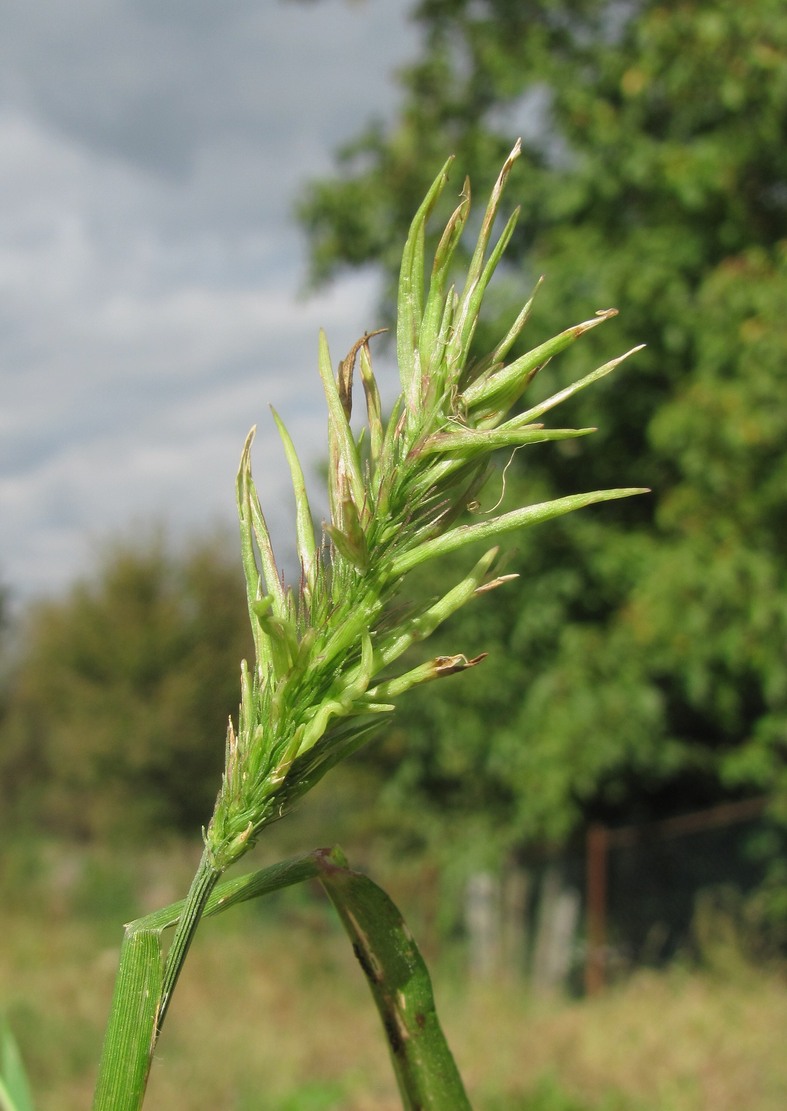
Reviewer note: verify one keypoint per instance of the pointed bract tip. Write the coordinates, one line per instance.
(493, 584)
(451, 665)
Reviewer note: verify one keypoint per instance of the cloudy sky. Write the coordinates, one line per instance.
(151, 273)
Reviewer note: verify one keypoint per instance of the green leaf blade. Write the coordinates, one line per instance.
(507, 522)
(501, 390)
(411, 292)
(346, 478)
(15, 1094)
(128, 1044)
(304, 527)
(402, 990)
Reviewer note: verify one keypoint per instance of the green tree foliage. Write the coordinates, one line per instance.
(119, 701)
(640, 663)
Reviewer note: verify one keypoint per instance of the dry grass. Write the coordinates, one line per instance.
(677, 1041)
(272, 1012)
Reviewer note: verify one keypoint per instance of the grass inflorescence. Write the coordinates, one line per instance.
(325, 671)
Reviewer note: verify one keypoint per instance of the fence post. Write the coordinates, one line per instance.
(482, 918)
(596, 893)
(513, 933)
(558, 915)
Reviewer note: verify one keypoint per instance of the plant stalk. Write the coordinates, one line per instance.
(205, 879)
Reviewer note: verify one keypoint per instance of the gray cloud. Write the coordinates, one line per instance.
(149, 266)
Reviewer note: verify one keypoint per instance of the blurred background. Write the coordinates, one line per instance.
(587, 833)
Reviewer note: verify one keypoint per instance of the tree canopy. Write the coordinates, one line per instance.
(639, 665)
(121, 691)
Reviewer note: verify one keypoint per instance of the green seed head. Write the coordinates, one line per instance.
(322, 679)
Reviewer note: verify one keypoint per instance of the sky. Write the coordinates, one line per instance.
(152, 273)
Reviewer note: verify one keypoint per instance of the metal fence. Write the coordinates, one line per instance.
(628, 898)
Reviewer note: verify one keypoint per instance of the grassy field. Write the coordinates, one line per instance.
(278, 1016)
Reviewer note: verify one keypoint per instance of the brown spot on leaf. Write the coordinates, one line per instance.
(369, 971)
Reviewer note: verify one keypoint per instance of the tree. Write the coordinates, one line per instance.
(650, 635)
(119, 700)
